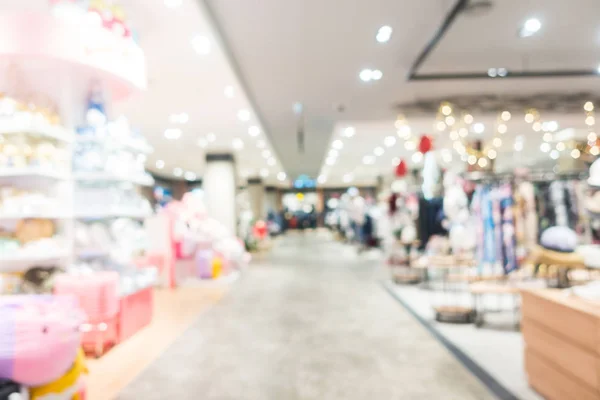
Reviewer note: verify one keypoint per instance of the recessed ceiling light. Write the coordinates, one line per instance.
(575, 153)
(177, 172)
(349, 131)
(160, 164)
(366, 75)
(502, 128)
(592, 137)
(322, 179)
(337, 144)
(173, 133)
(588, 106)
(237, 144)
(261, 144)
(472, 159)
(173, 3)
(211, 137)
(264, 172)
(468, 118)
(376, 74)
(497, 142)
(281, 176)
(243, 115)
(492, 154)
(440, 126)
(590, 120)
(229, 91)
(502, 72)
(417, 157)
(384, 34)
(478, 128)
(547, 137)
(266, 153)
(333, 153)
(330, 161)
(190, 176)
(554, 154)
(201, 142)
(389, 141)
(537, 126)
(201, 44)
(531, 26)
(492, 73)
(297, 108)
(368, 160)
(560, 146)
(410, 145)
(396, 161)
(378, 151)
(254, 131)
(483, 162)
(505, 116)
(271, 162)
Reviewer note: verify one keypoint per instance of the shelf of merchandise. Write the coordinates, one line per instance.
(54, 215)
(144, 179)
(116, 213)
(10, 127)
(20, 261)
(126, 144)
(33, 172)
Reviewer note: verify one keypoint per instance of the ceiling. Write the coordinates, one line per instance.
(312, 52)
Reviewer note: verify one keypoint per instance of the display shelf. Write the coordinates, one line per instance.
(116, 213)
(53, 215)
(139, 179)
(88, 254)
(33, 172)
(10, 127)
(86, 51)
(127, 144)
(20, 261)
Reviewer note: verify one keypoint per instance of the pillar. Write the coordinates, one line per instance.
(256, 195)
(220, 184)
(271, 200)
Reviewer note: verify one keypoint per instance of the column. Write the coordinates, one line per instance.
(256, 195)
(271, 200)
(220, 186)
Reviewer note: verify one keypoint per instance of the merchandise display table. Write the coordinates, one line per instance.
(482, 290)
(562, 344)
(451, 301)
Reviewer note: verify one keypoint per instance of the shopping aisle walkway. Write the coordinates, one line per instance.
(312, 322)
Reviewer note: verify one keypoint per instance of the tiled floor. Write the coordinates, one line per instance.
(310, 322)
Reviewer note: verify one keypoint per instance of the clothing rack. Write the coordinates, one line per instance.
(532, 176)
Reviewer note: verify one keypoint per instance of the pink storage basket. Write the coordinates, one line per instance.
(97, 293)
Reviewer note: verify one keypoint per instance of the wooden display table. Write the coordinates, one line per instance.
(562, 344)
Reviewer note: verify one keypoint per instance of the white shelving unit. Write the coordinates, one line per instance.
(60, 62)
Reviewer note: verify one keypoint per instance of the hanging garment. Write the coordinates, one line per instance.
(509, 255)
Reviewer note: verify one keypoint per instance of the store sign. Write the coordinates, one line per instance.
(304, 182)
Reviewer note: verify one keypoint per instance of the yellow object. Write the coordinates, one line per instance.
(217, 267)
(65, 383)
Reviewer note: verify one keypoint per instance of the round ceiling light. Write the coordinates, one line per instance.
(337, 144)
(254, 131)
(478, 128)
(160, 164)
(243, 115)
(229, 91)
(349, 132)
(281, 176)
(389, 141)
(378, 151)
(384, 34)
(178, 172)
(201, 44)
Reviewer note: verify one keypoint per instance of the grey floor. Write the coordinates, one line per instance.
(310, 322)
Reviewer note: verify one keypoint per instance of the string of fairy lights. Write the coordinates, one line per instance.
(459, 124)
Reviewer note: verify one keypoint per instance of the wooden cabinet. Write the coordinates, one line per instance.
(562, 344)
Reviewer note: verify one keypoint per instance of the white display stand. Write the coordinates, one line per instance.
(59, 58)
